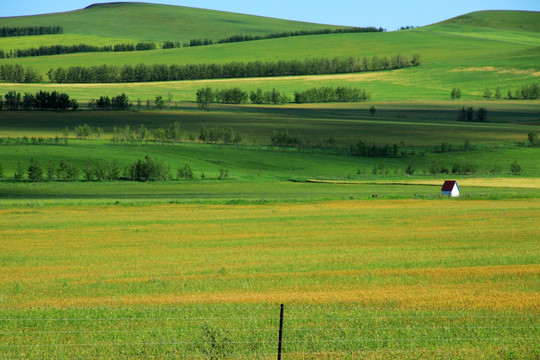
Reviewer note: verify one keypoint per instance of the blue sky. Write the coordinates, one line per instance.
(389, 14)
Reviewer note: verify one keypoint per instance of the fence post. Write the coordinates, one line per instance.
(280, 332)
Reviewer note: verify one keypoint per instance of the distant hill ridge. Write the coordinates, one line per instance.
(498, 19)
(154, 22)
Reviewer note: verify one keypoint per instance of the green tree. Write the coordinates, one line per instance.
(98, 131)
(113, 170)
(416, 61)
(372, 111)
(185, 173)
(487, 94)
(19, 172)
(223, 173)
(205, 97)
(532, 138)
(67, 171)
(456, 93)
(51, 171)
(498, 93)
(515, 168)
(481, 115)
(35, 171)
(88, 170)
(159, 102)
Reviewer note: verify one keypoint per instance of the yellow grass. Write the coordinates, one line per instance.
(408, 253)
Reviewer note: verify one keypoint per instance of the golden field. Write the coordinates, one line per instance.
(404, 253)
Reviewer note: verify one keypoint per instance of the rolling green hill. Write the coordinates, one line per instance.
(151, 22)
(474, 51)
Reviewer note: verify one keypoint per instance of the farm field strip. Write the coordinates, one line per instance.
(76, 256)
(359, 279)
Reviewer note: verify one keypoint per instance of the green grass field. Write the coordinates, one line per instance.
(151, 22)
(490, 54)
(370, 261)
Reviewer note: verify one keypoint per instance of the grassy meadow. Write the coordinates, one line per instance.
(369, 259)
(159, 280)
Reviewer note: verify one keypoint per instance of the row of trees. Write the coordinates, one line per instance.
(120, 102)
(42, 100)
(469, 115)
(242, 37)
(8, 31)
(206, 96)
(126, 135)
(526, 92)
(73, 49)
(225, 136)
(157, 72)
(365, 150)
(142, 170)
(19, 74)
(25, 140)
(330, 94)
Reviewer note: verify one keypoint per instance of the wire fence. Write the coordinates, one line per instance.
(252, 331)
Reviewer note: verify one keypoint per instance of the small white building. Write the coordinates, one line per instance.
(450, 188)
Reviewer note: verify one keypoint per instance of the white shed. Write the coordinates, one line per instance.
(450, 188)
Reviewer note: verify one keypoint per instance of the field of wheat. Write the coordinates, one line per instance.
(360, 279)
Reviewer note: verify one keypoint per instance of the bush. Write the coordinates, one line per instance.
(532, 139)
(185, 173)
(409, 170)
(147, 170)
(515, 168)
(223, 173)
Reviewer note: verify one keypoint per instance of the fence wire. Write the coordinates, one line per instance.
(244, 331)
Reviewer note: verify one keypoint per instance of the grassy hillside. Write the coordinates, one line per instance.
(498, 19)
(469, 52)
(141, 21)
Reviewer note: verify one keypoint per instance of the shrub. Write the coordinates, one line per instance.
(515, 168)
(185, 173)
(223, 173)
(147, 170)
(409, 170)
(532, 139)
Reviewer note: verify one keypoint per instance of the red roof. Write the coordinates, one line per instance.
(448, 185)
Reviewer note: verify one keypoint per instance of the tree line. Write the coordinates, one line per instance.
(143, 46)
(120, 102)
(7, 31)
(525, 92)
(19, 74)
(365, 150)
(141, 170)
(330, 94)
(468, 114)
(42, 100)
(73, 49)
(162, 72)
(207, 95)
(242, 37)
